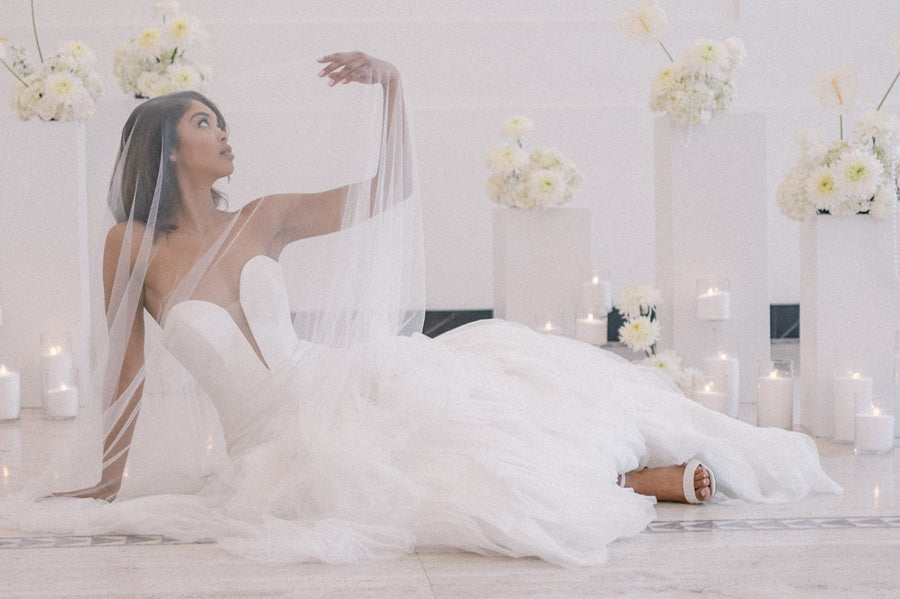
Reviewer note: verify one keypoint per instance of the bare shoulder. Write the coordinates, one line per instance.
(116, 238)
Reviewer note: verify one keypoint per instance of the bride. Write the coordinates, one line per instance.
(352, 442)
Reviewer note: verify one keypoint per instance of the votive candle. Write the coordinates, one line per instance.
(851, 393)
(874, 432)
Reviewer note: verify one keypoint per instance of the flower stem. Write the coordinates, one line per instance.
(37, 42)
(666, 51)
(890, 87)
(841, 119)
(8, 68)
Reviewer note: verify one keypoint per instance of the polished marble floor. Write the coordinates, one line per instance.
(823, 546)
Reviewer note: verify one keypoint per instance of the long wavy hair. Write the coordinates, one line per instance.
(148, 134)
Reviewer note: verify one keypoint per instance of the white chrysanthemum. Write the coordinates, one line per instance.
(517, 127)
(639, 334)
(164, 8)
(667, 360)
(837, 88)
(78, 52)
(184, 29)
(638, 300)
(62, 87)
(184, 76)
(884, 203)
(546, 187)
(547, 158)
(505, 158)
(148, 84)
(647, 24)
(148, 42)
(812, 146)
(859, 173)
(709, 57)
(823, 189)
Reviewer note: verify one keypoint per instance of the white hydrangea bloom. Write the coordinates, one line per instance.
(837, 88)
(791, 195)
(667, 360)
(879, 132)
(79, 54)
(148, 43)
(884, 203)
(647, 24)
(546, 187)
(709, 58)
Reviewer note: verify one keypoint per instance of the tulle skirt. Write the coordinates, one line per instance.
(491, 438)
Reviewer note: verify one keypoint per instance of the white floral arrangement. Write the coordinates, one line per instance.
(640, 333)
(154, 62)
(521, 180)
(699, 85)
(858, 175)
(62, 87)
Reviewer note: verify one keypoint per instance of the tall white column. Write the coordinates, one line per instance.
(541, 260)
(849, 307)
(711, 223)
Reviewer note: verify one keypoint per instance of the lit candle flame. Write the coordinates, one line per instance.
(723, 355)
(774, 374)
(708, 387)
(712, 291)
(595, 280)
(876, 496)
(875, 411)
(590, 317)
(548, 326)
(55, 350)
(5, 472)
(854, 375)
(3, 370)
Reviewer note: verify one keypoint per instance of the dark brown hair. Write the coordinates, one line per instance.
(150, 135)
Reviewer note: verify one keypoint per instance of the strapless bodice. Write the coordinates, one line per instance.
(204, 337)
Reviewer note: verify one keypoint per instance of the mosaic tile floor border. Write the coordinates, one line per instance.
(769, 524)
(660, 526)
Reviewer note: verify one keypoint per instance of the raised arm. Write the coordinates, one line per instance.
(306, 215)
(120, 421)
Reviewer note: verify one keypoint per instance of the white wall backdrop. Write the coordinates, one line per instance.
(467, 65)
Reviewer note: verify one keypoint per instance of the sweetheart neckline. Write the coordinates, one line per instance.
(262, 257)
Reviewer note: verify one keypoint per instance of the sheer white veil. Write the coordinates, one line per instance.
(364, 281)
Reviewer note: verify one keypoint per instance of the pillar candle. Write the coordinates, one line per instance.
(714, 304)
(708, 397)
(597, 293)
(851, 394)
(775, 401)
(591, 330)
(725, 366)
(61, 402)
(874, 432)
(10, 397)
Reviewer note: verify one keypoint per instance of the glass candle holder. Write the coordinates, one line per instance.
(713, 299)
(852, 394)
(59, 383)
(550, 324)
(596, 295)
(711, 392)
(10, 389)
(722, 360)
(874, 427)
(775, 394)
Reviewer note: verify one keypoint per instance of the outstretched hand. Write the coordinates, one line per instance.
(344, 67)
(104, 491)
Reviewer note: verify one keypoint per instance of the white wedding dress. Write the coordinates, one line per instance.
(490, 438)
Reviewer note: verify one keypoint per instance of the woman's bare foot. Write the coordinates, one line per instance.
(665, 483)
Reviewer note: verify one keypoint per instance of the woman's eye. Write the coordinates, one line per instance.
(203, 123)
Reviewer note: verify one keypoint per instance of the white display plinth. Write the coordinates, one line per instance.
(541, 260)
(711, 222)
(44, 264)
(849, 305)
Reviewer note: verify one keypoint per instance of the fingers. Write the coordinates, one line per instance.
(347, 67)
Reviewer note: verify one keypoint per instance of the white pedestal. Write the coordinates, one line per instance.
(849, 302)
(711, 223)
(44, 252)
(541, 260)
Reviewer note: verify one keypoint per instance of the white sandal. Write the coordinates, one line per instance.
(687, 482)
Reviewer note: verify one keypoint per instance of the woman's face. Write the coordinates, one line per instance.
(203, 145)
